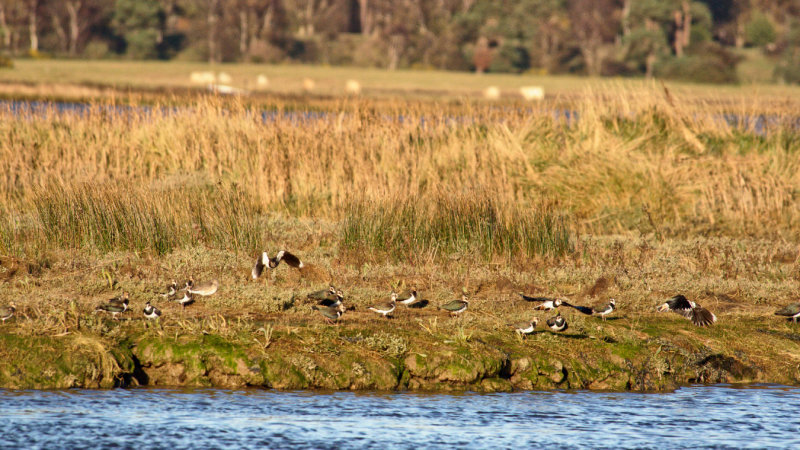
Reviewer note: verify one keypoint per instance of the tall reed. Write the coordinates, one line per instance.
(413, 227)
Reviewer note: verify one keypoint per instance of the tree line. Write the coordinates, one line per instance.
(669, 38)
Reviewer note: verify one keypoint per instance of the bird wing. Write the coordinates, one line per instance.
(290, 259)
(258, 268)
(536, 299)
(583, 309)
(702, 317)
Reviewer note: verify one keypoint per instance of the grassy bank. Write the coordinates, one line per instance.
(648, 193)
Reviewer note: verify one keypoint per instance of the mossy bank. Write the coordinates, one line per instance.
(604, 356)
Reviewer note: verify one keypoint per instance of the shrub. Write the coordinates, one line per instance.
(760, 31)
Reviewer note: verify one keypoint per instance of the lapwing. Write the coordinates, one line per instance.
(330, 313)
(323, 294)
(524, 328)
(545, 303)
(6, 312)
(386, 307)
(151, 312)
(184, 297)
(557, 323)
(456, 307)
(408, 297)
(602, 312)
(689, 309)
(205, 288)
(121, 301)
(792, 311)
(264, 262)
(335, 300)
(172, 289)
(112, 308)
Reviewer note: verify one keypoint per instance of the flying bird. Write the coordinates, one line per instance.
(545, 303)
(602, 312)
(264, 262)
(689, 309)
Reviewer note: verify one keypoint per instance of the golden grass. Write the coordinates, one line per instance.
(653, 193)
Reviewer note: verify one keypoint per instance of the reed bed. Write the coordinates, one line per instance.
(616, 160)
(417, 228)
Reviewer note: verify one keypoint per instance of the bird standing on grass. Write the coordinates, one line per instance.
(204, 288)
(184, 297)
(335, 300)
(386, 307)
(117, 305)
(525, 328)
(172, 289)
(121, 301)
(689, 309)
(792, 311)
(323, 294)
(6, 312)
(264, 262)
(330, 313)
(151, 312)
(408, 297)
(456, 307)
(557, 323)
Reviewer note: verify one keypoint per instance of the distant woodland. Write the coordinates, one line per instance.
(678, 39)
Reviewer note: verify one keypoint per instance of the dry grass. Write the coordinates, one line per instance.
(652, 194)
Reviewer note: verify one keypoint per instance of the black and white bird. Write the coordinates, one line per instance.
(151, 312)
(602, 312)
(265, 262)
(117, 305)
(204, 288)
(6, 312)
(121, 301)
(385, 307)
(408, 297)
(184, 297)
(557, 323)
(545, 303)
(330, 313)
(172, 289)
(323, 294)
(334, 300)
(689, 309)
(792, 311)
(524, 328)
(456, 307)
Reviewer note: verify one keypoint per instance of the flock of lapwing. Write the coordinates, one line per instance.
(329, 303)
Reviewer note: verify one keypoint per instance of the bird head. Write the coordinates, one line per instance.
(663, 307)
(535, 321)
(612, 302)
(557, 302)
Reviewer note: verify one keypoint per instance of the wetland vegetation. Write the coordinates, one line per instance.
(651, 191)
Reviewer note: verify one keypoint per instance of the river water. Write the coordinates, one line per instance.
(698, 416)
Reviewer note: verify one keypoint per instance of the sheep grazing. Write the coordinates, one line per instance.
(532, 93)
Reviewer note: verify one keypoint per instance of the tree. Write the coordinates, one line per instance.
(593, 23)
(759, 31)
(140, 23)
(79, 16)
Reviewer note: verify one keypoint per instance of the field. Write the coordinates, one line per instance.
(624, 189)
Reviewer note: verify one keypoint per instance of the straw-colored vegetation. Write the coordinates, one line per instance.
(636, 194)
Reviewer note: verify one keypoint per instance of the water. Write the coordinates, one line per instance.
(699, 416)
